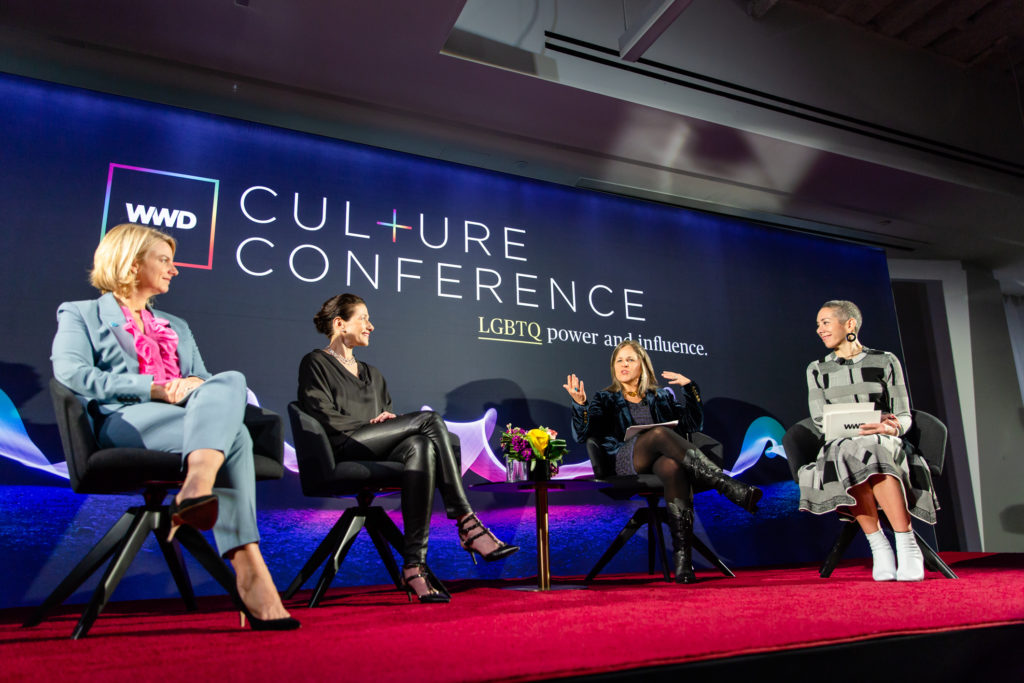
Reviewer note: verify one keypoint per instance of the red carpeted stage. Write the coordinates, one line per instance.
(765, 621)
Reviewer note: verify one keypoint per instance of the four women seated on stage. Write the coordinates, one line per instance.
(147, 386)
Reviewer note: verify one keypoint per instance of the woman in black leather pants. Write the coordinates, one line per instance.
(351, 400)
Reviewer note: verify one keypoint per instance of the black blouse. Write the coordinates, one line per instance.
(336, 398)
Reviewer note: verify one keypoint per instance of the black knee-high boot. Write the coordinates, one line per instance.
(680, 521)
(417, 496)
(703, 472)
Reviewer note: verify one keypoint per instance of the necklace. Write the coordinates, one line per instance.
(631, 394)
(341, 359)
(859, 349)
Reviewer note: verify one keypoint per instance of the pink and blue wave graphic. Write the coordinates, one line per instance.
(16, 445)
(477, 456)
(763, 439)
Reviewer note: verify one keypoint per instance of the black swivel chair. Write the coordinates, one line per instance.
(119, 470)
(650, 488)
(321, 475)
(927, 435)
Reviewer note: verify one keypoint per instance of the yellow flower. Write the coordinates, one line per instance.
(538, 440)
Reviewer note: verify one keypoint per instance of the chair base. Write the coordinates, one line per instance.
(338, 541)
(120, 545)
(850, 530)
(653, 516)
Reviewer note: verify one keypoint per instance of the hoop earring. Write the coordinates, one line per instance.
(851, 337)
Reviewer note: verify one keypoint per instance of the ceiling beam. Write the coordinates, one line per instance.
(657, 16)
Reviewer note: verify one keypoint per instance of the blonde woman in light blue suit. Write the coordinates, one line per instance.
(143, 380)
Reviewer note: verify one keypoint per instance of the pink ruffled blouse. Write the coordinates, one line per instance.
(157, 347)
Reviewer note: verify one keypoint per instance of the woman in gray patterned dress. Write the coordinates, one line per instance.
(635, 399)
(857, 475)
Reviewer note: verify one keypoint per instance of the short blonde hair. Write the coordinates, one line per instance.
(647, 379)
(122, 247)
(844, 311)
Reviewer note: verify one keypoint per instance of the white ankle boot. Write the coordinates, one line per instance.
(884, 567)
(911, 561)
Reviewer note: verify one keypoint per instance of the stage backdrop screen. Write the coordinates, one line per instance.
(485, 291)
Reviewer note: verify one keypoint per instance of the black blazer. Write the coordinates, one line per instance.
(606, 417)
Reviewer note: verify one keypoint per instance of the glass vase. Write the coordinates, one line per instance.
(515, 470)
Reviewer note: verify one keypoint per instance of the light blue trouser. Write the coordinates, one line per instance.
(210, 417)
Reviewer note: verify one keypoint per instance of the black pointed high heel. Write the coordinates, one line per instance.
(257, 624)
(471, 522)
(437, 594)
(199, 512)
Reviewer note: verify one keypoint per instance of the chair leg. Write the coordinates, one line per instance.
(336, 558)
(651, 552)
(638, 519)
(711, 557)
(932, 560)
(656, 517)
(392, 533)
(331, 541)
(375, 527)
(176, 563)
(126, 552)
(843, 542)
(92, 561)
(199, 548)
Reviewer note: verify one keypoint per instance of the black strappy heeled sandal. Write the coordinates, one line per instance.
(437, 594)
(468, 524)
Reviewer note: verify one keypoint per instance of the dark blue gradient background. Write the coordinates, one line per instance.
(747, 293)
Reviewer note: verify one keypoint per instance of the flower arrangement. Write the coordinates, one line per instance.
(535, 449)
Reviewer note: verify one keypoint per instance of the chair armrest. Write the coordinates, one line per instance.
(710, 447)
(802, 442)
(928, 435)
(267, 432)
(599, 460)
(313, 451)
(76, 435)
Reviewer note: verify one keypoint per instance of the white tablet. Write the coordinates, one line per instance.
(844, 419)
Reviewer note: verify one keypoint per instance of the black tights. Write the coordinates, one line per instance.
(421, 441)
(661, 451)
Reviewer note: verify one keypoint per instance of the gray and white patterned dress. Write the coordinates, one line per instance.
(870, 377)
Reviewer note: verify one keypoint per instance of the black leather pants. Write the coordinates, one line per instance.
(421, 441)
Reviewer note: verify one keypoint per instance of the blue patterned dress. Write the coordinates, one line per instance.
(641, 413)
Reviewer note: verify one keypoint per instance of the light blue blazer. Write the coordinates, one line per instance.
(94, 355)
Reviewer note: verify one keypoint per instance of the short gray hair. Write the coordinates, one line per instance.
(845, 310)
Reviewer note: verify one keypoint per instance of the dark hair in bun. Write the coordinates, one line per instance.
(340, 306)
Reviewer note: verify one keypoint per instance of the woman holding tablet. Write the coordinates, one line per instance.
(874, 468)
